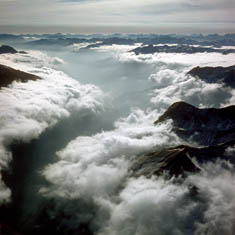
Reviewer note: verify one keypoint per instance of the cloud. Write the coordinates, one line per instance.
(149, 207)
(5, 192)
(172, 7)
(191, 90)
(27, 109)
(81, 1)
(230, 151)
(215, 185)
(94, 168)
(117, 48)
(89, 182)
(154, 206)
(169, 8)
(77, 46)
(172, 83)
(184, 60)
(121, 13)
(133, 135)
(163, 78)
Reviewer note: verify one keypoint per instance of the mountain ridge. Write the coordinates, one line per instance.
(224, 75)
(8, 75)
(208, 126)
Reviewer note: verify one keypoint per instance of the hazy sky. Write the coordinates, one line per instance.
(128, 13)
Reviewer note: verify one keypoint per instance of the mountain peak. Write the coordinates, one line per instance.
(206, 126)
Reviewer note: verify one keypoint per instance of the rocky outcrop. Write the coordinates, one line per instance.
(207, 126)
(178, 160)
(8, 75)
(212, 127)
(224, 75)
(4, 49)
(173, 161)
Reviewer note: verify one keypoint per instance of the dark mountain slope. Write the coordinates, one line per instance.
(213, 127)
(8, 75)
(187, 49)
(225, 75)
(178, 160)
(207, 126)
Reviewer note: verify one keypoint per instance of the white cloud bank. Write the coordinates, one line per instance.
(171, 15)
(106, 153)
(117, 48)
(196, 59)
(27, 109)
(94, 169)
(173, 84)
(154, 206)
(216, 185)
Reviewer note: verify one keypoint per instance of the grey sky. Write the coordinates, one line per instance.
(142, 13)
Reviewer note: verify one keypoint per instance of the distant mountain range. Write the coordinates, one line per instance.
(207, 126)
(214, 40)
(151, 49)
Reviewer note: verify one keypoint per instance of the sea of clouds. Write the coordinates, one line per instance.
(92, 171)
(91, 184)
(170, 80)
(27, 109)
(172, 83)
(90, 180)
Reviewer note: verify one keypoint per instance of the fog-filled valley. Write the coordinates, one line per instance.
(129, 134)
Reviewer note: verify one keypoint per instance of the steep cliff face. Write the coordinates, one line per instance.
(204, 126)
(8, 75)
(224, 75)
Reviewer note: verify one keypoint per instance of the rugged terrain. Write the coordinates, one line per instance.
(151, 49)
(207, 126)
(8, 75)
(223, 75)
(214, 128)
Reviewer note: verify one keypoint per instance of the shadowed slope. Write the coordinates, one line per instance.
(207, 126)
(8, 75)
(178, 160)
(224, 75)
